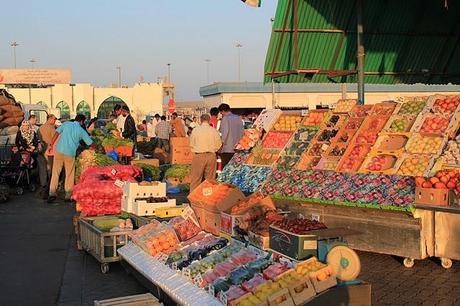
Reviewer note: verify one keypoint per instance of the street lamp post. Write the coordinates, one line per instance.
(208, 64)
(239, 46)
(33, 61)
(119, 76)
(14, 45)
(169, 72)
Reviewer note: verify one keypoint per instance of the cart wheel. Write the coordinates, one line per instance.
(19, 190)
(446, 263)
(408, 262)
(32, 187)
(104, 268)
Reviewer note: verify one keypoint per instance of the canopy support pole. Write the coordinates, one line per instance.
(360, 53)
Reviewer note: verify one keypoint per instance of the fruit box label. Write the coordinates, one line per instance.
(207, 192)
(310, 245)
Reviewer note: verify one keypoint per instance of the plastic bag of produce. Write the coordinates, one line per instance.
(240, 275)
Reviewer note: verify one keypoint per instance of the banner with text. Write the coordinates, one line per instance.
(35, 76)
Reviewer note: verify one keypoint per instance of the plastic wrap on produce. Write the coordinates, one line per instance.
(246, 177)
(391, 192)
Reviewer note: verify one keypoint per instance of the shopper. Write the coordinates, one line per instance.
(33, 122)
(26, 138)
(231, 130)
(70, 134)
(177, 125)
(214, 121)
(91, 125)
(120, 122)
(129, 129)
(46, 134)
(151, 126)
(163, 130)
(204, 142)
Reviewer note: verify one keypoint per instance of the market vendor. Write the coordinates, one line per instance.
(177, 125)
(46, 134)
(70, 134)
(120, 121)
(231, 129)
(204, 142)
(129, 129)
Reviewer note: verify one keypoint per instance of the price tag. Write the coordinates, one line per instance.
(304, 136)
(198, 280)
(113, 171)
(324, 147)
(223, 298)
(119, 183)
(174, 266)
(163, 258)
(211, 290)
(304, 112)
(207, 191)
(186, 272)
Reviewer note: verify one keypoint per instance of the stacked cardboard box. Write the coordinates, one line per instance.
(180, 150)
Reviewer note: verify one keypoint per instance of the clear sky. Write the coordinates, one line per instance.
(92, 37)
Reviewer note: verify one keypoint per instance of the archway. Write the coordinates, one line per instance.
(65, 109)
(106, 108)
(84, 109)
(42, 103)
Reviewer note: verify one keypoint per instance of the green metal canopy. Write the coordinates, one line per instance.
(405, 41)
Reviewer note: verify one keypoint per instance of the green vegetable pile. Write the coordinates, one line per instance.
(110, 127)
(116, 142)
(178, 171)
(150, 171)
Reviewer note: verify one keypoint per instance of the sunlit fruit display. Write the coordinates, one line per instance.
(344, 106)
(414, 165)
(424, 144)
(381, 162)
(314, 118)
(287, 123)
(412, 107)
(276, 140)
(452, 153)
(353, 160)
(401, 124)
(447, 105)
(433, 124)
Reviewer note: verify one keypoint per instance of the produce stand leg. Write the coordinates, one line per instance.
(447, 231)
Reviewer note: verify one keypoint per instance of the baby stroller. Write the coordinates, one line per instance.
(15, 168)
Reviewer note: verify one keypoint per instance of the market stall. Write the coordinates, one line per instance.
(357, 166)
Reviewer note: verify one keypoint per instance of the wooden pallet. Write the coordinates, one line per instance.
(146, 299)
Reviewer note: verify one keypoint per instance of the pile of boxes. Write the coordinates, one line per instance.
(144, 199)
(180, 150)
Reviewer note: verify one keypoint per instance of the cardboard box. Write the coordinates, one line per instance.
(153, 161)
(281, 298)
(298, 247)
(259, 241)
(325, 284)
(431, 196)
(181, 155)
(302, 291)
(179, 142)
(143, 208)
(136, 190)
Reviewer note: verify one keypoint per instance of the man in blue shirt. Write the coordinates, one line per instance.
(231, 130)
(70, 134)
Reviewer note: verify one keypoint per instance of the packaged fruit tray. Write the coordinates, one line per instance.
(392, 143)
(336, 150)
(335, 121)
(438, 124)
(416, 165)
(385, 108)
(400, 124)
(387, 164)
(265, 157)
(276, 140)
(287, 123)
(344, 106)
(360, 111)
(307, 162)
(374, 123)
(446, 105)
(426, 144)
(353, 158)
(412, 106)
(353, 123)
(345, 136)
(301, 140)
(315, 117)
(327, 163)
(327, 135)
(317, 148)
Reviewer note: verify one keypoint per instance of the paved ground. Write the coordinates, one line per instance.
(40, 265)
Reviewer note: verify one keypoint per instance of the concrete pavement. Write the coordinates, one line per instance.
(40, 265)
